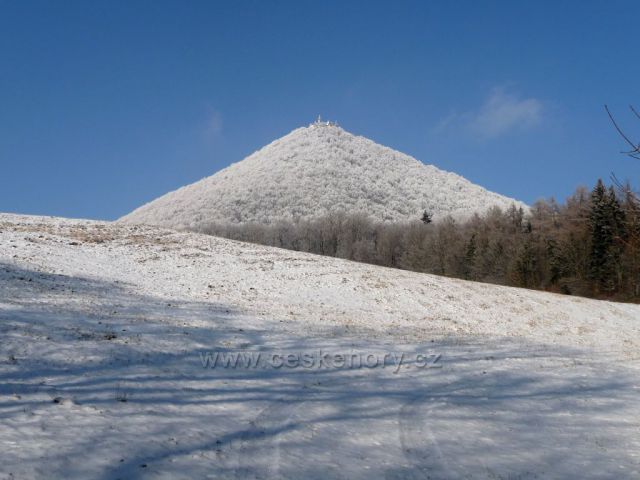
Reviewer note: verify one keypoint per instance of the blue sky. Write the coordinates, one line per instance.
(107, 105)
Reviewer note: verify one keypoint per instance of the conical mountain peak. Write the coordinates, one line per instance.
(315, 170)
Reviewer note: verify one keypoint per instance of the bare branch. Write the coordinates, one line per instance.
(635, 148)
(624, 189)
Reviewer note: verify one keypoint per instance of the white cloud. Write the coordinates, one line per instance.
(213, 127)
(501, 113)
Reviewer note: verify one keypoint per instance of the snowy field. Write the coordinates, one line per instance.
(104, 328)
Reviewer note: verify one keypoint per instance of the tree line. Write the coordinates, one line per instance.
(589, 245)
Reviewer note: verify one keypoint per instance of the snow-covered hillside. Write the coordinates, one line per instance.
(104, 329)
(313, 171)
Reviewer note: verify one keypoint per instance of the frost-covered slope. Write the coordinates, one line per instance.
(315, 291)
(104, 327)
(315, 170)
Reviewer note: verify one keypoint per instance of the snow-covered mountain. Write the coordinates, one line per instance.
(315, 170)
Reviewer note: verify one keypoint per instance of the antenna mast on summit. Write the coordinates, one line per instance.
(328, 123)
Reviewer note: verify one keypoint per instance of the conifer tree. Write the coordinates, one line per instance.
(606, 221)
(469, 260)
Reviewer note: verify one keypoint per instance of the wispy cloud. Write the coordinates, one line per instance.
(501, 113)
(213, 126)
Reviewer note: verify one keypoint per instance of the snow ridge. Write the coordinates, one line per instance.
(316, 170)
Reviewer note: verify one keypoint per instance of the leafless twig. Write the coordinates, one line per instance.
(635, 151)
